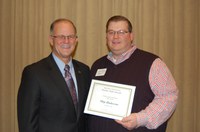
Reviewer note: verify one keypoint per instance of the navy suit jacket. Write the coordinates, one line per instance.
(44, 102)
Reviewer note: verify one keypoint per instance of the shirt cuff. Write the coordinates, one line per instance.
(142, 119)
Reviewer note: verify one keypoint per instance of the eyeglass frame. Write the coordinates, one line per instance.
(63, 37)
(119, 32)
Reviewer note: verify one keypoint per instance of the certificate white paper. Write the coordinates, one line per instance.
(110, 100)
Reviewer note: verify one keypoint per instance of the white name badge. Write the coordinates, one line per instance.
(110, 100)
(101, 72)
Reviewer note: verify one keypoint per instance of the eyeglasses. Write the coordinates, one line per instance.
(63, 37)
(120, 32)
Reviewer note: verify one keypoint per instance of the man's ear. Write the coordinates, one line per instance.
(132, 36)
(50, 40)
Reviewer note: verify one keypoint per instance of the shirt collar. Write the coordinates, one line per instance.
(123, 56)
(61, 64)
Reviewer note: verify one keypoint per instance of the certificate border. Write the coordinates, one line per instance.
(89, 110)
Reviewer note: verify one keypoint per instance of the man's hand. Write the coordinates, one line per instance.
(129, 122)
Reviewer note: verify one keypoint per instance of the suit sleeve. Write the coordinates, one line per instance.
(28, 101)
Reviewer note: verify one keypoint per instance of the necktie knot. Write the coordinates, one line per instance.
(66, 68)
(67, 73)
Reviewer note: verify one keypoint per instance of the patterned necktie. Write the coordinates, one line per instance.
(71, 86)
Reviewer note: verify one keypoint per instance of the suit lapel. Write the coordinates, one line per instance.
(59, 81)
(57, 78)
(80, 84)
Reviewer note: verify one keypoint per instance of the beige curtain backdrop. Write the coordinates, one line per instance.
(168, 28)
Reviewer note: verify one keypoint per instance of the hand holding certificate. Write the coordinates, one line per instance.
(110, 100)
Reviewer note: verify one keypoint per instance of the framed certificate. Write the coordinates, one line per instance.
(110, 100)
